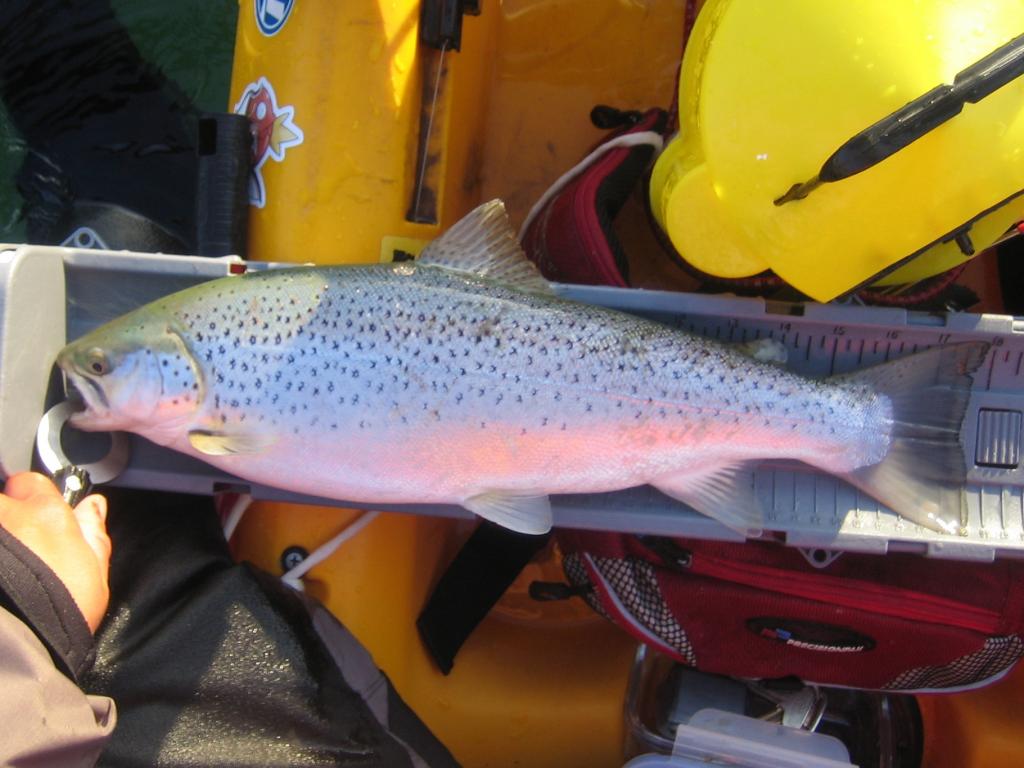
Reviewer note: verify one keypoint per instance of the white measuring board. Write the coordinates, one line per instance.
(815, 510)
(803, 507)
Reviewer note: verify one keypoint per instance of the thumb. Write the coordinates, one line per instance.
(91, 514)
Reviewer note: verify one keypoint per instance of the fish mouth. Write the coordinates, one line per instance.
(85, 395)
(73, 394)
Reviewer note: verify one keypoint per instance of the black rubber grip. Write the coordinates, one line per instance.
(222, 197)
(925, 113)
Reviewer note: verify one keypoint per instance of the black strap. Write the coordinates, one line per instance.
(485, 567)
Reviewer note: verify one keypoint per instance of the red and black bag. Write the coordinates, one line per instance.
(570, 234)
(763, 610)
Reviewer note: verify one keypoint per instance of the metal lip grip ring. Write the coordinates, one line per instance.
(51, 452)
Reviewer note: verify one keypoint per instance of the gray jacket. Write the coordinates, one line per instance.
(48, 720)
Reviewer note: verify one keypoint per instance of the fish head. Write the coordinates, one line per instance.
(135, 374)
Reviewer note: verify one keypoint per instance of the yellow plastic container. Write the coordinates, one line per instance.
(341, 95)
(769, 90)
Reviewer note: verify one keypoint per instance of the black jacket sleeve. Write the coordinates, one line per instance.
(44, 645)
(32, 592)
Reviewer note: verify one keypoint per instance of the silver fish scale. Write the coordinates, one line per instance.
(418, 359)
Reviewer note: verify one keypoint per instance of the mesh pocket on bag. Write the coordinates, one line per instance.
(634, 585)
(998, 654)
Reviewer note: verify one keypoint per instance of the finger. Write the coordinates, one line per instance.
(25, 485)
(91, 514)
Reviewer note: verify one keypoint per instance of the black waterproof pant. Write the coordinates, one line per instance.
(213, 663)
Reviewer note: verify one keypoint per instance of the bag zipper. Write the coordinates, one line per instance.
(864, 596)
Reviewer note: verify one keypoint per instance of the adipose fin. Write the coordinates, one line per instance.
(770, 351)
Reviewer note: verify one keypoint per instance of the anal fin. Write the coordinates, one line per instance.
(520, 513)
(724, 493)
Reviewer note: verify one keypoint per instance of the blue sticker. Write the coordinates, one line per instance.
(272, 14)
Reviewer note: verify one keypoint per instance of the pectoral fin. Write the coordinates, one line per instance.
(228, 444)
(523, 514)
(724, 493)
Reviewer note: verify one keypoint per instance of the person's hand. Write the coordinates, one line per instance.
(72, 542)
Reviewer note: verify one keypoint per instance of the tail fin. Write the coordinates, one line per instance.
(922, 476)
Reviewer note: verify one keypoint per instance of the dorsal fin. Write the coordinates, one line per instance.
(483, 244)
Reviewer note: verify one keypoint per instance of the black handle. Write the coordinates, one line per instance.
(441, 22)
(73, 483)
(926, 113)
(918, 118)
(222, 194)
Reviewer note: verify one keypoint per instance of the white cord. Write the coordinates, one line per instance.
(235, 515)
(651, 138)
(293, 578)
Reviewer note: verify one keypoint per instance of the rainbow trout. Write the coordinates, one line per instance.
(460, 378)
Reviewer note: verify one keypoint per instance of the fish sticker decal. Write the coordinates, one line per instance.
(461, 378)
(273, 130)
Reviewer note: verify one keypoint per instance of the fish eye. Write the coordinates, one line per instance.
(96, 360)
